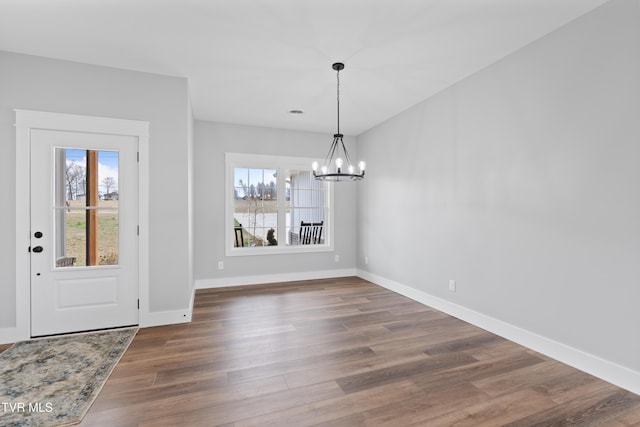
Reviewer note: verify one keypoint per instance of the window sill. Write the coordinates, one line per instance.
(278, 250)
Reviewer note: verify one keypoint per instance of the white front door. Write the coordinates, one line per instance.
(84, 239)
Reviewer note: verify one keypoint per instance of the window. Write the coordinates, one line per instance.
(86, 207)
(274, 205)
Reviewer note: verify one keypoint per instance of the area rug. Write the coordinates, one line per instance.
(53, 381)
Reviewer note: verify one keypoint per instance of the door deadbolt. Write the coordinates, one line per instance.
(37, 234)
(37, 249)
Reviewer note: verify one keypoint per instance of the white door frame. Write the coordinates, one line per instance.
(26, 120)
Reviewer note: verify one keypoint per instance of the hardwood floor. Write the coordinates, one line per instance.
(342, 352)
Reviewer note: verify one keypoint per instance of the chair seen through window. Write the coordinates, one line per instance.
(311, 232)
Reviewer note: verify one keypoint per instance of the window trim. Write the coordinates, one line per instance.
(243, 160)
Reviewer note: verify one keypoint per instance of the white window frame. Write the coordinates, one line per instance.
(280, 164)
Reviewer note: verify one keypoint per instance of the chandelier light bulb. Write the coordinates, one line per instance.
(324, 169)
(351, 169)
(338, 162)
(314, 165)
(361, 165)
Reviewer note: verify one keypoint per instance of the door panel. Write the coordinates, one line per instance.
(86, 292)
(84, 258)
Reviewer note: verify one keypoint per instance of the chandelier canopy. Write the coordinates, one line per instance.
(337, 165)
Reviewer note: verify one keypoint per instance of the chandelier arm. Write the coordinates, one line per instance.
(332, 152)
(346, 153)
(327, 158)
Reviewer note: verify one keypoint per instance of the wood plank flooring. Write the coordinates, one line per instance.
(342, 352)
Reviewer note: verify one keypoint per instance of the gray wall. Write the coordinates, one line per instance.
(212, 140)
(35, 83)
(522, 183)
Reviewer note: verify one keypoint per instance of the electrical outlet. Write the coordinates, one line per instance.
(220, 265)
(452, 285)
(337, 258)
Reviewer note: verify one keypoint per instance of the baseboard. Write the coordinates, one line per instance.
(260, 279)
(192, 301)
(594, 365)
(161, 318)
(13, 335)
(146, 320)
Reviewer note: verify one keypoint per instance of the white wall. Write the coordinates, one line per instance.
(212, 140)
(522, 183)
(35, 83)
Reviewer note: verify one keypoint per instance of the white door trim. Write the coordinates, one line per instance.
(26, 120)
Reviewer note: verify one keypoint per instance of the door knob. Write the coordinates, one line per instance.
(37, 249)
(37, 234)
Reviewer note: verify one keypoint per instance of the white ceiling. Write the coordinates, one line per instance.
(251, 61)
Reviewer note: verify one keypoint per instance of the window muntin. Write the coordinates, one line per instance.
(270, 196)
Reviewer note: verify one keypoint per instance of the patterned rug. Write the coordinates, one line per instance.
(53, 381)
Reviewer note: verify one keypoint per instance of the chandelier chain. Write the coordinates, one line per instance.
(338, 97)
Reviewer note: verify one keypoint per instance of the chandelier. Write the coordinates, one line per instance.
(337, 165)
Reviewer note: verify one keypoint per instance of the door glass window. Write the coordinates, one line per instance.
(86, 208)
